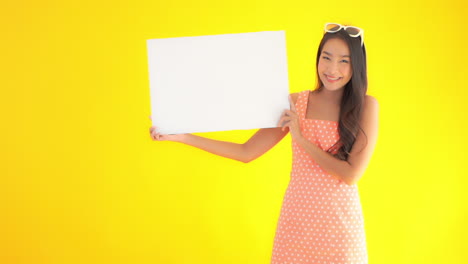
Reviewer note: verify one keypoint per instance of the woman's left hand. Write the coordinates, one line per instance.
(290, 119)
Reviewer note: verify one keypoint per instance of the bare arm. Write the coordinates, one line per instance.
(262, 141)
(350, 171)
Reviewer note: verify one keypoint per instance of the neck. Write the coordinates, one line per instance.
(332, 96)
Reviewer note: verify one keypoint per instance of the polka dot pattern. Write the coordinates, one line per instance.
(321, 217)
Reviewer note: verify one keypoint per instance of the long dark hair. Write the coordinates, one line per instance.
(353, 95)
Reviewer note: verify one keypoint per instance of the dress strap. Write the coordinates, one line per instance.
(301, 104)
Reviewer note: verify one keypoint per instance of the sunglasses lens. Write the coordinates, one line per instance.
(353, 31)
(332, 27)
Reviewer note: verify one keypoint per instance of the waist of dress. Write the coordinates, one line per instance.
(305, 162)
(313, 172)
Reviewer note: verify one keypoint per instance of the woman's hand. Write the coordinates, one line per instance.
(155, 135)
(158, 137)
(290, 119)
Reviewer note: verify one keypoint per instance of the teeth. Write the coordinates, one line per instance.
(333, 79)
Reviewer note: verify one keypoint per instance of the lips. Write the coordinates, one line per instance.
(332, 79)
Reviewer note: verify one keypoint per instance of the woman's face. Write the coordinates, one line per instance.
(334, 67)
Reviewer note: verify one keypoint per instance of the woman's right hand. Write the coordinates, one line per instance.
(156, 136)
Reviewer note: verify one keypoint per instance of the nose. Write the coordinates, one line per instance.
(333, 68)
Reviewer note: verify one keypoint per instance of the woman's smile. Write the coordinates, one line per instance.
(332, 79)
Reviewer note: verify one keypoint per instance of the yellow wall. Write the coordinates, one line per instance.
(81, 181)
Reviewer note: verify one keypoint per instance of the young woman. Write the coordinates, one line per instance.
(334, 132)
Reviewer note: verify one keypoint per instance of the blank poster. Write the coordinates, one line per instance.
(218, 82)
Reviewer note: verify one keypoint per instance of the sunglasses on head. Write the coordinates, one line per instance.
(352, 31)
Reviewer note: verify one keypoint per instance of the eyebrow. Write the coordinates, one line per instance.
(329, 54)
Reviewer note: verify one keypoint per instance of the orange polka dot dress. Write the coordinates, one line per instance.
(321, 217)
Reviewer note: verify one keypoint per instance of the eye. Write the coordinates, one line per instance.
(345, 61)
(325, 58)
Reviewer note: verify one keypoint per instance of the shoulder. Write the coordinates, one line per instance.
(371, 103)
(371, 99)
(295, 96)
(370, 108)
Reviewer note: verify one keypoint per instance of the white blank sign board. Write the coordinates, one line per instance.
(218, 82)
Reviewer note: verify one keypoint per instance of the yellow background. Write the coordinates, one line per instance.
(81, 181)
